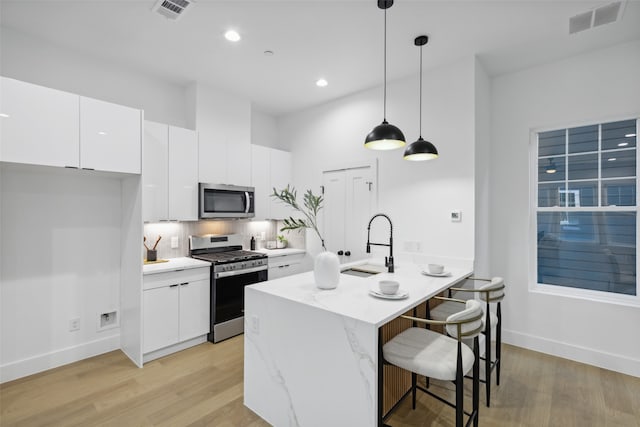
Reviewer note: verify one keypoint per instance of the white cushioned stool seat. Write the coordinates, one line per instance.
(427, 353)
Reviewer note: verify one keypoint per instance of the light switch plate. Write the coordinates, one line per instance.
(174, 242)
(456, 216)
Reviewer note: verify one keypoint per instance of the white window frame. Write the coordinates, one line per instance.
(578, 293)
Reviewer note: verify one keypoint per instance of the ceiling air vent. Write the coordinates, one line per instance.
(606, 14)
(172, 9)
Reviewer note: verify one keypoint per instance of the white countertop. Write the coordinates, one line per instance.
(351, 298)
(280, 252)
(181, 263)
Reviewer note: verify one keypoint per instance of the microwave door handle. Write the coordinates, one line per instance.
(248, 202)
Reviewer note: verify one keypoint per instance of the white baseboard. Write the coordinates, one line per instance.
(148, 357)
(613, 362)
(43, 362)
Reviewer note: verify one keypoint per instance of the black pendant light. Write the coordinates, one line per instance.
(420, 149)
(385, 136)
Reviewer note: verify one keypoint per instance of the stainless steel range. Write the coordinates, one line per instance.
(231, 270)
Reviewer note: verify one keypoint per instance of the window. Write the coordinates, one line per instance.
(586, 207)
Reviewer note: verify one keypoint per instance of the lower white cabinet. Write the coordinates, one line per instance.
(285, 265)
(175, 306)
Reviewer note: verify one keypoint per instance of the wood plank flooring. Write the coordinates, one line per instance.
(202, 386)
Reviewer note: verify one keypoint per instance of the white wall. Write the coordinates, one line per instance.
(416, 195)
(37, 61)
(264, 130)
(482, 171)
(60, 260)
(593, 87)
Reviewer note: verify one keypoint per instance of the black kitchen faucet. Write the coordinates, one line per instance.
(388, 262)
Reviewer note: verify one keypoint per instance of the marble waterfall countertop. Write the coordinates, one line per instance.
(311, 356)
(351, 298)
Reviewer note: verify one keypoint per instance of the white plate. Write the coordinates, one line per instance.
(401, 294)
(443, 274)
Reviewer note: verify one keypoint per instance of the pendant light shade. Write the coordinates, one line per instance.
(385, 136)
(420, 149)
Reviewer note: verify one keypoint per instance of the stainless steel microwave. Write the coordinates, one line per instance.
(226, 201)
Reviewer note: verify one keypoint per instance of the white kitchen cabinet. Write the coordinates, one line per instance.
(270, 168)
(285, 265)
(223, 121)
(110, 136)
(42, 126)
(183, 174)
(155, 172)
(170, 173)
(280, 177)
(48, 127)
(161, 313)
(349, 201)
(175, 306)
(194, 314)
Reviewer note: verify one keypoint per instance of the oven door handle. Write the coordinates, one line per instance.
(222, 274)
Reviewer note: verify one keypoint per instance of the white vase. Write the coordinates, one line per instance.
(326, 270)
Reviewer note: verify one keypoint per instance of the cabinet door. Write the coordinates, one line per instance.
(183, 174)
(194, 309)
(155, 151)
(42, 126)
(160, 323)
(109, 136)
(280, 177)
(260, 180)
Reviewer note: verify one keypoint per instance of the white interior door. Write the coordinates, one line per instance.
(349, 203)
(334, 208)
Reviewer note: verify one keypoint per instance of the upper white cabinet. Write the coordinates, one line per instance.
(223, 121)
(183, 174)
(38, 125)
(43, 126)
(109, 136)
(270, 168)
(170, 173)
(155, 172)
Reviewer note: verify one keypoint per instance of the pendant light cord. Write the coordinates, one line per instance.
(420, 133)
(384, 113)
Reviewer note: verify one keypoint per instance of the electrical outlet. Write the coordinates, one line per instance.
(108, 320)
(174, 242)
(74, 324)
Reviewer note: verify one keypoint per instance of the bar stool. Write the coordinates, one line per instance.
(491, 292)
(434, 355)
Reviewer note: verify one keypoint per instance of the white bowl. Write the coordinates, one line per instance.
(388, 287)
(436, 268)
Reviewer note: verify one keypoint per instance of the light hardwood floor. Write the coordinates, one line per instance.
(202, 386)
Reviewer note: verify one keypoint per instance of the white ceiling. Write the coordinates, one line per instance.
(339, 40)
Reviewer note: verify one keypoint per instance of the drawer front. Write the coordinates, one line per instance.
(285, 260)
(176, 277)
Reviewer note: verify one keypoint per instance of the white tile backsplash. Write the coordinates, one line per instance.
(183, 230)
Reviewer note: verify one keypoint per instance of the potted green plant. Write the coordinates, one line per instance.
(281, 242)
(326, 268)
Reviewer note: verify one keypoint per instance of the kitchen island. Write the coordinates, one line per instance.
(312, 356)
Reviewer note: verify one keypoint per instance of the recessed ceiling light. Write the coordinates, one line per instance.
(232, 36)
(5, 115)
(102, 133)
(612, 159)
(630, 135)
(322, 83)
(268, 53)
(623, 144)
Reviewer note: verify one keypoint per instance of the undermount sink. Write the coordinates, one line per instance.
(364, 270)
